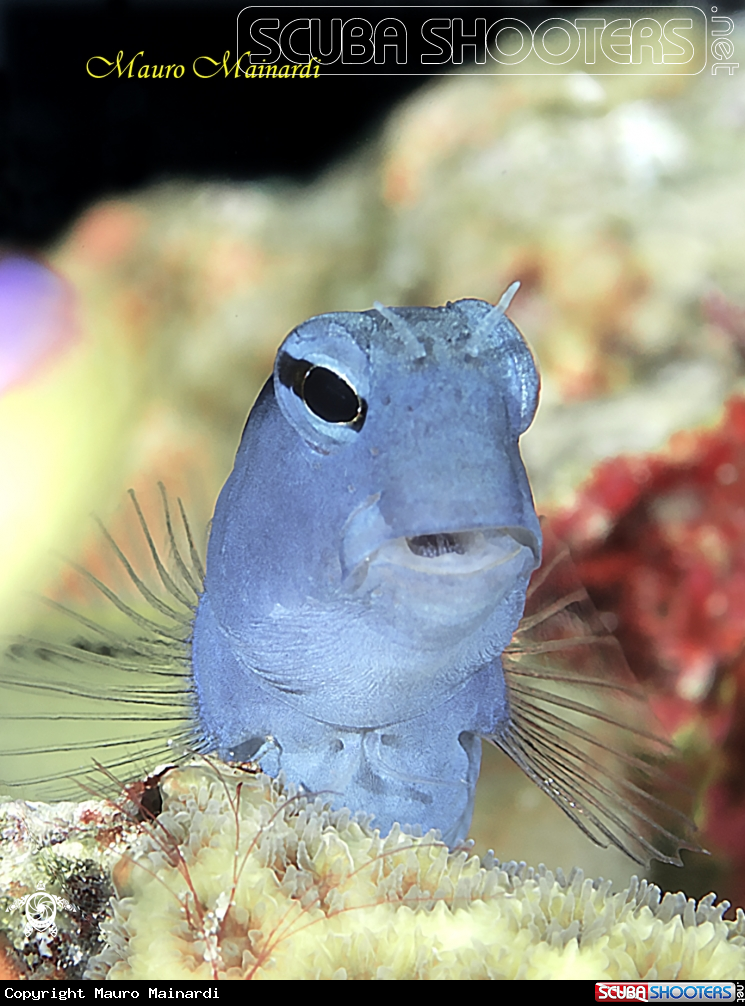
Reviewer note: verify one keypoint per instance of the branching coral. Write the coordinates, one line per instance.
(235, 880)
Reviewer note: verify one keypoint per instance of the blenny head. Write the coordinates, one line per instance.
(391, 483)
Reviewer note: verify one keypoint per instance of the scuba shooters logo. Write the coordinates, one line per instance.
(670, 991)
(553, 40)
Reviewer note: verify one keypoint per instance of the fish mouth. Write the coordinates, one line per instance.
(433, 590)
(456, 553)
(444, 554)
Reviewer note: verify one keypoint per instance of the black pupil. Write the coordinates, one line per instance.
(329, 397)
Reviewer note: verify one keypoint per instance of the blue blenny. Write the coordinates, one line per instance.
(362, 625)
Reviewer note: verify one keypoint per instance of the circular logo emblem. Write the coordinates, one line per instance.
(41, 910)
(40, 913)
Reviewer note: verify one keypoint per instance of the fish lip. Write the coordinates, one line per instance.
(369, 541)
(454, 553)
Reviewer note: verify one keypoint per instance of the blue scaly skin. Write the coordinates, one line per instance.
(368, 561)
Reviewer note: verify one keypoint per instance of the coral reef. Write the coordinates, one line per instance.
(71, 849)
(659, 542)
(236, 880)
(667, 532)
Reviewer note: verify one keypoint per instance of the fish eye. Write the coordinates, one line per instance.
(330, 397)
(324, 392)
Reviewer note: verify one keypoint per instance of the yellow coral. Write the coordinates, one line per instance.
(237, 880)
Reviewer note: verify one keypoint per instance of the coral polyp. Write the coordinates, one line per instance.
(237, 880)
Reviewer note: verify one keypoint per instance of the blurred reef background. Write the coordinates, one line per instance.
(150, 325)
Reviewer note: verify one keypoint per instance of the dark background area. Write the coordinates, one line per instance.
(66, 139)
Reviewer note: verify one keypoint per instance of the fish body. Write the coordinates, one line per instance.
(369, 558)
